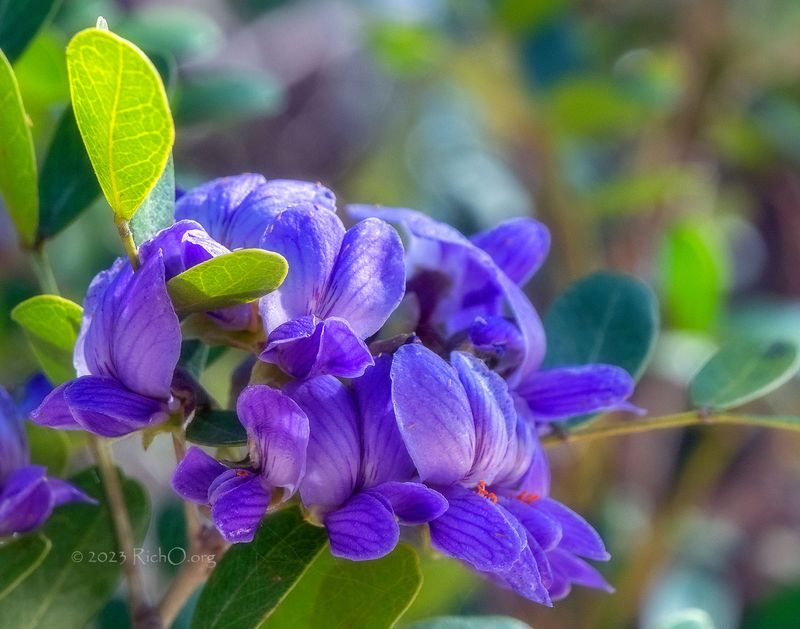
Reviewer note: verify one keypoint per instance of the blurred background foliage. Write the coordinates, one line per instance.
(660, 139)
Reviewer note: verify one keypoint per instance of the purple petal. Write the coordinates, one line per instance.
(522, 449)
(545, 529)
(518, 246)
(433, 415)
(310, 242)
(341, 352)
(333, 447)
(365, 528)
(238, 504)
(105, 407)
(577, 535)
(277, 429)
(26, 500)
(368, 279)
(500, 338)
(476, 531)
(568, 570)
(492, 411)
(37, 388)
(54, 412)
(182, 245)
(194, 475)
(13, 445)
(536, 479)
(384, 455)
(64, 493)
(557, 394)
(412, 503)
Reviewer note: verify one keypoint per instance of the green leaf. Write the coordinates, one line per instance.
(744, 370)
(51, 324)
(251, 579)
(235, 278)
(19, 558)
(180, 32)
(49, 447)
(158, 209)
(20, 20)
(123, 116)
(194, 357)
(83, 567)
(216, 428)
(67, 185)
(469, 622)
(340, 593)
(17, 156)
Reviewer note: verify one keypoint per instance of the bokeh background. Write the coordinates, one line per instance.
(660, 139)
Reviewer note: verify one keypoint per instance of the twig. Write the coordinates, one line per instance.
(124, 229)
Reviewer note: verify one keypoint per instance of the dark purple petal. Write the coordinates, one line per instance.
(577, 535)
(105, 407)
(492, 411)
(194, 475)
(368, 279)
(54, 412)
(333, 447)
(13, 445)
(499, 338)
(536, 479)
(568, 570)
(37, 388)
(341, 352)
(433, 415)
(557, 394)
(364, 528)
(518, 246)
(384, 455)
(25, 501)
(238, 504)
(64, 493)
(277, 429)
(182, 245)
(412, 503)
(477, 531)
(310, 242)
(544, 528)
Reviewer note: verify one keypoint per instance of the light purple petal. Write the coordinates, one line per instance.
(333, 447)
(310, 242)
(194, 475)
(412, 503)
(545, 529)
(238, 504)
(518, 246)
(364, 528)
(476, 531)
(105, 407)
(182, 245)
(54, 412)
(25, 501)
(568, 570)
(536, 479)
(384, 455)
(577, 535)
(277, 429)
(341, 352)
(433, 415)
(557, 394)
(13, 444)
(64, 493)
(522, 449)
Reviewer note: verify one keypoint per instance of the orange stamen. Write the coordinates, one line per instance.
(527, 497)
(241, 473)
(481, 490)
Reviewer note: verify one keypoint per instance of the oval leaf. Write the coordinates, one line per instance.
(19, 558)
(235, 278)
(251, 579)
(123, 116)
(216, 428)
(20, 20)
(51, 324)
(743, 370)
(158, 209)
(18, 171)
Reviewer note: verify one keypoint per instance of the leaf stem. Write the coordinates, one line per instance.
(125, 234)
(44, 271)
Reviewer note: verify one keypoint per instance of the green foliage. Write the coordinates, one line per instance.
(216, 428)
(158, 209)
(179, 32)
(123, 116)
(252, 579)
(235, 278)
(744, 370)
(67, 185)
(83, 567)
(49, 447)
(18, 171)
(51, 324)
(20, 20)
(19, 558)
(470, 622)
(339, 593)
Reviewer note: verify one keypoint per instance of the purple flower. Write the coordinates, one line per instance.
(237, 210)
(340, 289)
(358, 472)
(125, 355)
(278, 433)
(27, 495)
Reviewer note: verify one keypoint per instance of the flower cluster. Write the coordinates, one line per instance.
(411, 389)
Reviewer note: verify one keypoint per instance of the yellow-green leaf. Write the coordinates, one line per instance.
(123, 116)
(228, 280)
(51, 324)
(17, 158)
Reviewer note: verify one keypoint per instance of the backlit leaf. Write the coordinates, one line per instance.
(158, 209)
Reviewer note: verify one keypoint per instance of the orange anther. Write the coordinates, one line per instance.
(527, 497)
(241, 473)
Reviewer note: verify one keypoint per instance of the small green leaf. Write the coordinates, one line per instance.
(743, 370)
(216, 428)
(51, 324)
(83, 567)
(194, 357)
(20, 20)
(158, 209)
(48, 447)
(123, 116)
(235, 278)
(19, 558)
(18, 171)
(251, 579)
(469, 622)
(340, 593)
(67, 185)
